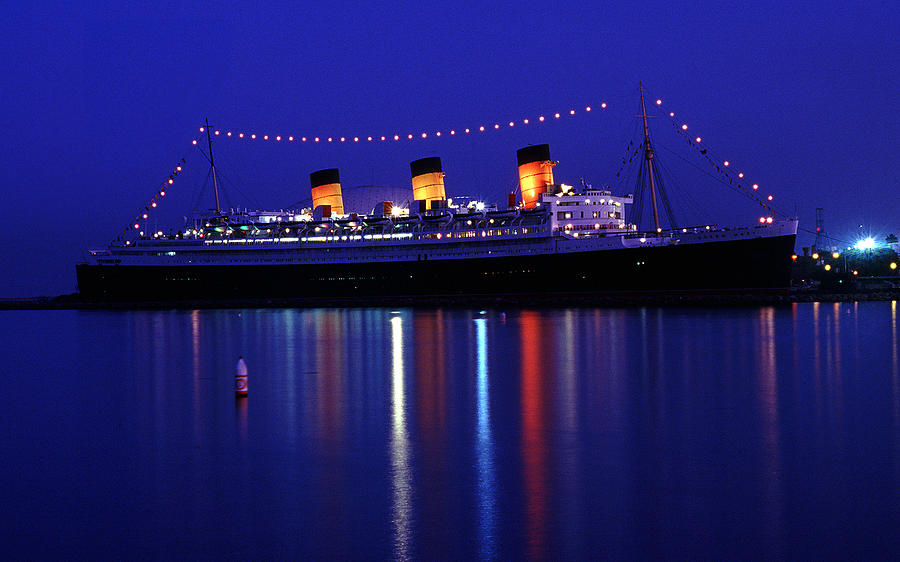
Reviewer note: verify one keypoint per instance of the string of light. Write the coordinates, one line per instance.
(723, 167)
(419, 135)
(144, 215)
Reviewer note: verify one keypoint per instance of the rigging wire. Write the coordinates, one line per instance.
(692, 204)
(637, 205)
(233, 185)
(715, 177)
(663, 195)
(201, 191)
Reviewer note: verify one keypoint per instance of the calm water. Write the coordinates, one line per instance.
(447, 434)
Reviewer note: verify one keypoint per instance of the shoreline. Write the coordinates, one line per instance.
(686, 299)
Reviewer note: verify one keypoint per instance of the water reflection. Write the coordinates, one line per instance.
(432, 339)
(241, 405)
(195, 362)
(401, 476)
(533, 433)
(895, 373)
(895, 387)
(330, 357)
(567, 353)
(566, 433)
(484, 449)
(768, 394)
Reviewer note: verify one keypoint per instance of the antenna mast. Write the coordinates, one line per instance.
(213, 166)
(648, 155)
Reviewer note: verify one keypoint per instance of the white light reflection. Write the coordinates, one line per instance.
(401, 478)
(485, 450)
(895, 372)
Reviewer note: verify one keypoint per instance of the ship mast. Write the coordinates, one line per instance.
(648, 155)
(213, 167)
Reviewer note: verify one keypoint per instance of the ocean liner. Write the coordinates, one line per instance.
(555, 239)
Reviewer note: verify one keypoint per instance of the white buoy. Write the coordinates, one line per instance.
(240, 378)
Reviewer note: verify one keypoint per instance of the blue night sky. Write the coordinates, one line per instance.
(99, 103)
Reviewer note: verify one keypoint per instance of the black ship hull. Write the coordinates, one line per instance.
(747, 265)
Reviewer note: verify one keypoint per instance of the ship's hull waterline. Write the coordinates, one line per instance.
(748, 265)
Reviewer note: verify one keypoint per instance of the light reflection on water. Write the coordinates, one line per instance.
(401, 478)
(485, 453)
(369, 433)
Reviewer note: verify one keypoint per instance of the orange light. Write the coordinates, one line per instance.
(893, 265)
(535, 174)
(684, 127)
(326, 190)
(428, 181)
(857, 273)
(815, 255)
(827, 267)
(835, 255)
(794, 257)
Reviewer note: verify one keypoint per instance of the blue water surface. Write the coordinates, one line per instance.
(452, 433)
